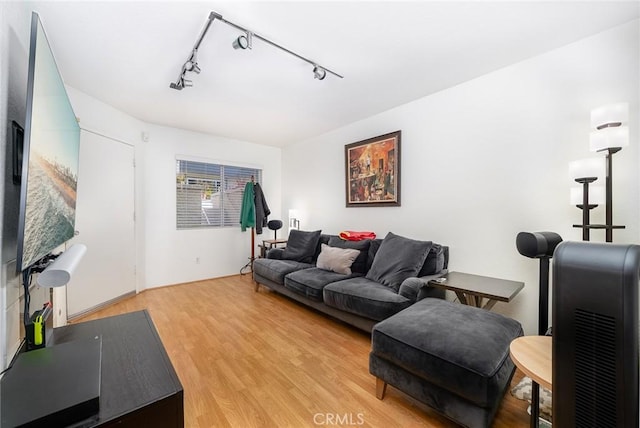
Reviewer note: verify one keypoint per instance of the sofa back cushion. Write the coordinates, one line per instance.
(397, 259)
(301, 246)
(374, 246)
(360, 264)
(434, 262)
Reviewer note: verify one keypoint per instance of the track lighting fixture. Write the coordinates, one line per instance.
(192, 63)
(244, 41)
(319, 73)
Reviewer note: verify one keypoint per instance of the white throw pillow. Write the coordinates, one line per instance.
(335, 259)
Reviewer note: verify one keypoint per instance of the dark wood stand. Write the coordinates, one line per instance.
(472, 289)
(139, 387)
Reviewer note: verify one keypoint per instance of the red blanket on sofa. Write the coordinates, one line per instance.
(350, 235)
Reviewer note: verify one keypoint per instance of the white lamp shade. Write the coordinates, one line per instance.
(596, 195)
(606, 138)
(610, 113)
(294, 219)
(583, 168)
(59, 272)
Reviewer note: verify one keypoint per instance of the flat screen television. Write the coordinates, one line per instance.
(50, 157)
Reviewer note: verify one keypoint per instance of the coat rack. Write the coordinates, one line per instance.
(249, 264)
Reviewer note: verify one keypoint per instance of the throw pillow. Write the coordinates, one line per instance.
(360, 264)
(398, 259)
(434, 262)
(301, 246)
(335, 259)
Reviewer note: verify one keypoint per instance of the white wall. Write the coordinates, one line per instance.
(15, 20)
(165, 255)
(171, 254)
(487, 159)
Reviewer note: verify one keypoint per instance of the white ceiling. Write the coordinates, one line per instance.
(127, 53)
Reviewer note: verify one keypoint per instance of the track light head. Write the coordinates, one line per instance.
(319, 72)
(242, 42)
(192, 63)
(186, 83)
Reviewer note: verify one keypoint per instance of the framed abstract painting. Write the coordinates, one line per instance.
(372, 171)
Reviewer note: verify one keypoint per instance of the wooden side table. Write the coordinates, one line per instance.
(472, 289)
(270, 243)
(533, 355)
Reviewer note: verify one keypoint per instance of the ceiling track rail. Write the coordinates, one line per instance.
(243, 42)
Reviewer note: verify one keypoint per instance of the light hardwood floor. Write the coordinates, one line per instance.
(248, 359)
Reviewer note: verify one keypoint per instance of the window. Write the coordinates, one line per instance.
(210, 195)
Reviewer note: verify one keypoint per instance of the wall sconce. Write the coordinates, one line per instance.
(609, 134)
(294, 220)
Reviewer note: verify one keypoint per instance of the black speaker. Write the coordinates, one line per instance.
(540, 245)
(537, 244)
(275, 225)
(595, 335)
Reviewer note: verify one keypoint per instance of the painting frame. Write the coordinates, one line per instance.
(372, 171)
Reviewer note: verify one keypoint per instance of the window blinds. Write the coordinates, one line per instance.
(210, 195)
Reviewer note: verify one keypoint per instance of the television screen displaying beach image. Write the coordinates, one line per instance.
(51, 151)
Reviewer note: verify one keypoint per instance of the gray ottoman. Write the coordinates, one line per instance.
(452, 357)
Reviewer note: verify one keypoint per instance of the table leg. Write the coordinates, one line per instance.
(535, 404)
(490, 304)
(462, 298)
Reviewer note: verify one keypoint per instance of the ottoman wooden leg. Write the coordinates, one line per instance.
(257, 285)
(381, 388)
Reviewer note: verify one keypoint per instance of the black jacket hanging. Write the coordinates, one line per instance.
(262, 209)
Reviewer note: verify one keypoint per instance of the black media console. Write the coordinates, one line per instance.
(138, 385)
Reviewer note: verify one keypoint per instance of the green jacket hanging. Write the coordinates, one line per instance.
(248, 209)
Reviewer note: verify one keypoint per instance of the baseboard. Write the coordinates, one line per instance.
(102, 305)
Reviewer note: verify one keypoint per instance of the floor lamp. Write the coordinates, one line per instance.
(609, 135)
(586, 172)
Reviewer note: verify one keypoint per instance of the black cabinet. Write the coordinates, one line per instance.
(139, 387)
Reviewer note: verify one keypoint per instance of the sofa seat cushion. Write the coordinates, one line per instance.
(364, 297)
(460, 348)
(276, 270)
(311, 282)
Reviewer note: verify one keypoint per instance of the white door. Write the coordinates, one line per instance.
(105, 222)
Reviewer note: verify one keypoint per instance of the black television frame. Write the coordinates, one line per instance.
(37, 30)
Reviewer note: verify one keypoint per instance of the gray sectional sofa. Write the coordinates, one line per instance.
(385, 276)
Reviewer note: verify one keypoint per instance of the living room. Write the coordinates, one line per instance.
(482, 160)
